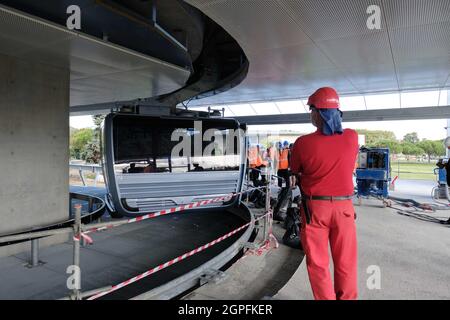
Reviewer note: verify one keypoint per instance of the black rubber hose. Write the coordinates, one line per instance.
(414, 202)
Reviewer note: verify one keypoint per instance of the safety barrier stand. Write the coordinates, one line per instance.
(269, 239)
(76, 250)
(34, 256)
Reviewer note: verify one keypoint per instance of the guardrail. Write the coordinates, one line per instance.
(95, 209)
(82, 168)
(410, 172)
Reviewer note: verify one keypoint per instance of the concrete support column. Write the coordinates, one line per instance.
(448, 135)
(448, 122)
(34, 144)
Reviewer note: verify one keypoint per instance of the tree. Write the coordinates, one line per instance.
(432, 148)
(98, 120)
(411, 137)
(440, 148)
(78, 141)
(85, 143)
(411, 149)
(374, 137)
(92, 152)
(394, 146)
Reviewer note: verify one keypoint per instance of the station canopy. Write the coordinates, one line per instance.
(297, 46)
(413, 99)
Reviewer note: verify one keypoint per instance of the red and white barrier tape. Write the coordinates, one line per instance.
(171, 262)
(171, 210)
(395, 179)
(85, 237)
(268, 243)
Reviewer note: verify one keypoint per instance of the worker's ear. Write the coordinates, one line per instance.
(316, 118)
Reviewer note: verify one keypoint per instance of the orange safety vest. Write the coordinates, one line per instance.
(254, 158)
(272, 154)
(284, 159)
(265, 157)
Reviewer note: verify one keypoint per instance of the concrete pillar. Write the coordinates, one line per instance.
(34, 144)
(448, 135)
(448, 120)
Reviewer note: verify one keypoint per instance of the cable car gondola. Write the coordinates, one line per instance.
(155, 162)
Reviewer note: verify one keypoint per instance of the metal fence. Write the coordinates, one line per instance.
(397, 170)
(83, 168)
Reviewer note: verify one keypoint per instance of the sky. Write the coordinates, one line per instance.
(81, 122)
(426, 129)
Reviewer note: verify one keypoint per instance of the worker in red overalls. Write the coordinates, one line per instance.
(322, 164)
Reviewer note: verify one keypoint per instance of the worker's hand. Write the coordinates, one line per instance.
(293, 182)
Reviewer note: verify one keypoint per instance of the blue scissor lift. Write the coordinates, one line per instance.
(441, 174)
(373, 174)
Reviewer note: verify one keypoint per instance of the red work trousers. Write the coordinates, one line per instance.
(331, 222)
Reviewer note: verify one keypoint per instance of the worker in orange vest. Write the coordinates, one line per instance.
(274, 156)
(268, 157)
(264, 160)
(252, 157)
(283, 165)
(254, 163)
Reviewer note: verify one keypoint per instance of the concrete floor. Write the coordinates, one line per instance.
(413, 256)
(420, 190)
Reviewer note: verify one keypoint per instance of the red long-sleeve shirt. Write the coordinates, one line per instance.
(325, 163)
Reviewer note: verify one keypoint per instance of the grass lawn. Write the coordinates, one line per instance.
(413, 170)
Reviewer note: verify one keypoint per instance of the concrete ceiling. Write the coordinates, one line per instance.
(296, 46)
(100, 71)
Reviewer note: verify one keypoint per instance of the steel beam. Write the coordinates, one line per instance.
(95, 109)
(423, 113)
